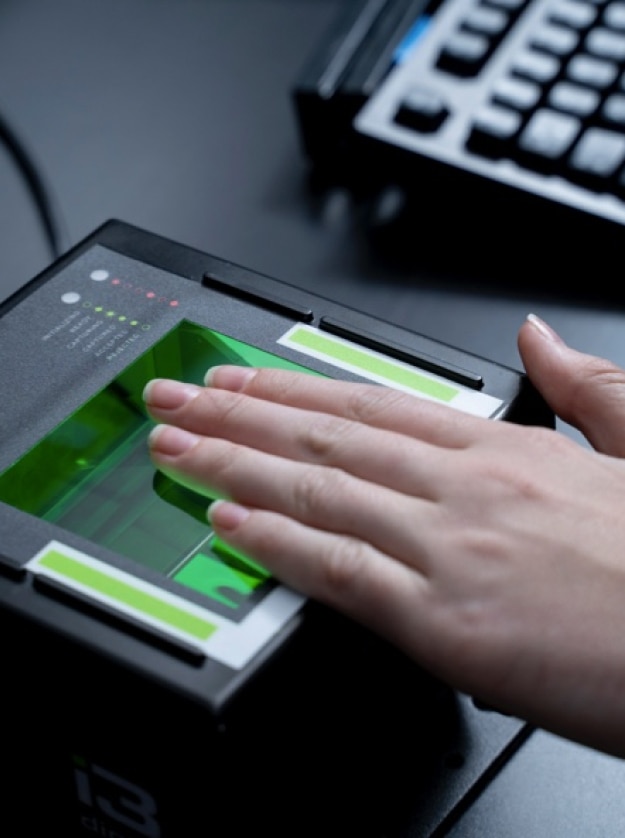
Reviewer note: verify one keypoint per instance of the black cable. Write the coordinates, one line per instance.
(45, 205)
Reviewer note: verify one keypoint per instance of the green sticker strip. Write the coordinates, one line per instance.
(363, 360)
(116, 589)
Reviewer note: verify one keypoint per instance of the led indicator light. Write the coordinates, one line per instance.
(99, 276)
(70, 298)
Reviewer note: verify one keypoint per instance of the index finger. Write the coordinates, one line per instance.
(371, 404)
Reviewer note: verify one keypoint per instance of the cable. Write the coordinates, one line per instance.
(50, 217)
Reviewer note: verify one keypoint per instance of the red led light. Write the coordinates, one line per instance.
(150, 295)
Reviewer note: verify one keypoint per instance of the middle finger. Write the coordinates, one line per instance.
(376, 455)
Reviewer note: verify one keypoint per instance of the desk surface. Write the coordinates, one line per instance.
(175, 115)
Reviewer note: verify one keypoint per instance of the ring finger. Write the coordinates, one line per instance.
(325, 498)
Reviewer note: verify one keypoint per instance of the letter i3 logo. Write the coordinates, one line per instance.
(111, 798)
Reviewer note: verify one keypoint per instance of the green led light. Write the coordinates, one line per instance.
(365, 361)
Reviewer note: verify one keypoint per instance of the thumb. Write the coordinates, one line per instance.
(583, 390)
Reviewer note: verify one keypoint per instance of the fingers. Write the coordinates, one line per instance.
(372, 405)
(316, 496)
(380, 456)
(345, 573)
(583, 390)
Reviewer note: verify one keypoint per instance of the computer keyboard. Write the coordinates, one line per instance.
(526, 94)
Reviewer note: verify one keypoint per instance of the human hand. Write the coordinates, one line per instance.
(491, 553)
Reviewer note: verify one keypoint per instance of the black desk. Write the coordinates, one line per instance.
(175, 115)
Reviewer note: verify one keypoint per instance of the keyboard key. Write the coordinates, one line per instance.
(536, 66)
(606, 44)
(614, 16)
(599, 154)
(573, 99)
(490, 22)
(613, 110)
(558, 40)
(493, 131)
(464, 54)
(518, 94)
(592, 72)
(549, 135)
(574, 14)
(422, 110)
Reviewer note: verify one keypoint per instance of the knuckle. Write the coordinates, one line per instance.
(316, 489)
(224, 408)
(274, 382)
(343, 567)
(323, 435)
(368, 404)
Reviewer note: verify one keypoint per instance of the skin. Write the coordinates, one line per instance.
(493, 554)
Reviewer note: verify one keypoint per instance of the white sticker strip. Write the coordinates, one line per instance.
(383, 369)
(233, 644)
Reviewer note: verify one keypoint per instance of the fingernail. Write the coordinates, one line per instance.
(227, 515)
(228, 377)
(170, 441)
(165, 394)
(545, 330)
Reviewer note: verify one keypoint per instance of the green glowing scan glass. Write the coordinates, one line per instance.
(92, 475)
